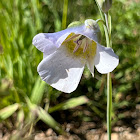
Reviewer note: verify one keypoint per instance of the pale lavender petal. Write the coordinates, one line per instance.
(44, 43)
(56, 39)
(49, 42)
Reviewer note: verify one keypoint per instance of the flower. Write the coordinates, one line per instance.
(66, 53)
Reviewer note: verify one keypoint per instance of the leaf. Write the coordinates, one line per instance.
(37, 92)
(20, 118)
(43, 115)
(47, 118)
(8, 111)
(71, 103)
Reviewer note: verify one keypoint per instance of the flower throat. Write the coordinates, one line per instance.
(80, 45)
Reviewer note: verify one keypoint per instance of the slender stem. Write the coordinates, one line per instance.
(64, 18)
(109, 105)
(107, 28)
(106, 21)
(109, 82)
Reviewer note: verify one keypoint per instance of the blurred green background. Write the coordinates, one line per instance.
(25, 99)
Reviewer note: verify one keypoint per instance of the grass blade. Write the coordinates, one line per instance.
(71, 103)
(8, 111)
(65, 9)
(47, 118)
(37, 92)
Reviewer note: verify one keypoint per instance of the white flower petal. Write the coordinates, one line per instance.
(45, 55)
(44, 43)
(90, 65)
(105, 59)
(62, 70)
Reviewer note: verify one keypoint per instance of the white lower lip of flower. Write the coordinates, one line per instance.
(62, 70)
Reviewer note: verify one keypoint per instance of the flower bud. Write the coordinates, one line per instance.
(105, 5)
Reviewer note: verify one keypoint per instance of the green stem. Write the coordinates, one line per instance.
(109, 105)
(64, 18)
(107, 28)
(109, 82)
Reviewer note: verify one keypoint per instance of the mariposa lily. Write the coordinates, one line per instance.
(66, 53)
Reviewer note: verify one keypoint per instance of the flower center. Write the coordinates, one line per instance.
(80, 45)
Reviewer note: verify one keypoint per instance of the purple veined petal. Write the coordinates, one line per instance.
(85, 31)
(89, 33)
(62, 70)
(90, 29)
(49, 42)
(105, 59)
(56, 38)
